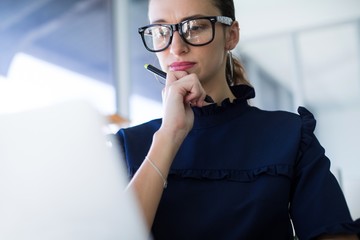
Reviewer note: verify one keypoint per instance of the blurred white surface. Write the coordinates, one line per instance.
(59, 179)
(33, 83)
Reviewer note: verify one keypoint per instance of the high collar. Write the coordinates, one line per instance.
(214, 114)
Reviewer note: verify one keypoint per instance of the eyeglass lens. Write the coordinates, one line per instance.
(194, 32)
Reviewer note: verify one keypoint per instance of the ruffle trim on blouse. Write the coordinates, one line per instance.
(241, 92)
(308, 127)
(231, 174)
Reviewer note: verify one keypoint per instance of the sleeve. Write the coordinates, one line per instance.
(318, 205)
(135, 143)
(132, 150)
(120, 137)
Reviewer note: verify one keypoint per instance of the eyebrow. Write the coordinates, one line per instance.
(181, 20)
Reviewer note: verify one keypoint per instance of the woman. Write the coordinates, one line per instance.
(233, 171)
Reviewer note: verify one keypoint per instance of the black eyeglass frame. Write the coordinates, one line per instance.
(178, 27)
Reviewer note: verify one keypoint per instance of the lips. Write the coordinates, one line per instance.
(181, 66)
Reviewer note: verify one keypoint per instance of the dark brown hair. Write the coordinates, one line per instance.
(238, 76)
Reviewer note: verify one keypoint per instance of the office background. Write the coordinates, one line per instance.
(295, 53)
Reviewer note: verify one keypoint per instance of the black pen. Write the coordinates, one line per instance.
(155, 70)
(162, 74)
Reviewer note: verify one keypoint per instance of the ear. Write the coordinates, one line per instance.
(232, 36)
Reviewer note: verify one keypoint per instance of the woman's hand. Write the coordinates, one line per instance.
(182, 90)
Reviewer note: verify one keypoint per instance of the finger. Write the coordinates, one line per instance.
(198, 101)
(188, 86)
(196, 95)
(177, 81)
(174, 76)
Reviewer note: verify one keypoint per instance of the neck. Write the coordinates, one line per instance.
(218, 91)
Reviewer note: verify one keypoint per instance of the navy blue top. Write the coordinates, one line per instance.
(245, 173)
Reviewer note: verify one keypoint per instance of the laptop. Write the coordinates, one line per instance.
(61, 179)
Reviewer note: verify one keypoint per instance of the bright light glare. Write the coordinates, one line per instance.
(33, 83)
(143, 109)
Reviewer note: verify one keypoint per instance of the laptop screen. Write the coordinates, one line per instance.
(59, 179)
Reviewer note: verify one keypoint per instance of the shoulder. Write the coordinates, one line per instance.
(275, 120)
(135, 141)
(138, 136)
(141, 129)
(303, 116)
(284, 125)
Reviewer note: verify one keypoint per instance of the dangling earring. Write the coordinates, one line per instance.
(231, 67)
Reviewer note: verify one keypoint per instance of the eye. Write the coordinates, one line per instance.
(197, 26)
(157, 31)
(161, 32)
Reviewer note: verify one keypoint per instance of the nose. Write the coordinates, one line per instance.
(178, 46)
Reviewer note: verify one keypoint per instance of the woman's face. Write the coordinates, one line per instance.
(208, 61)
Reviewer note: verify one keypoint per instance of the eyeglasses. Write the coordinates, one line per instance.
(198, 31)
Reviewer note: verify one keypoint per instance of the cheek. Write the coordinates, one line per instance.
(216, 50)
(214, 57)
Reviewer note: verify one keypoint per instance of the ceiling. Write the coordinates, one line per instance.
(54, 31)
